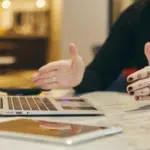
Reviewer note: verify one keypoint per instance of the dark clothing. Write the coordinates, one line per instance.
(124, 48)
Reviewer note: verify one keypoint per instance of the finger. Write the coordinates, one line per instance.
(54, 66)
(140, 98)
(45, 81)
(147, 51)
(141, 74)
(73, 51)
(138, 85)
(35, 75)
(141, 92)
(45, 75)
(50, 86)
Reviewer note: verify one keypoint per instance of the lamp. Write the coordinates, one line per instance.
(6, 4)
(40, 3)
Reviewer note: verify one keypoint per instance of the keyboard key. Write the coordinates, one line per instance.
(24, 103)
(1, 103)
(49, 104)
(16, 103)
(69, 100)
(40, 103)
(32, 103)
(10, 105)
(78, 108)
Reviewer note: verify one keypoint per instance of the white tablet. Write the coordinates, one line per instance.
(53, 132)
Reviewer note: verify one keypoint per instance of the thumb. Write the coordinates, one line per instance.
(147, 51)
(73, 51)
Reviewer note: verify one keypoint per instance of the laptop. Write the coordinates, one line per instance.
(42, 105)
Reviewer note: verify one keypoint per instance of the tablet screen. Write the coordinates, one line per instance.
(45, 128)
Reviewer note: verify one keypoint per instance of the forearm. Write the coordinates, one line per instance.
(112, 57)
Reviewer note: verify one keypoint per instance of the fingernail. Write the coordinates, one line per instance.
(137, 98)
(34, 79)
(130, 79)
(35, 75)
(40, 69)
(131, 93)
(130, 88)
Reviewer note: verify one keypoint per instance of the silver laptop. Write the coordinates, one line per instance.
(39, 105)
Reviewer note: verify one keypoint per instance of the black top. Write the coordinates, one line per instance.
(124, 48)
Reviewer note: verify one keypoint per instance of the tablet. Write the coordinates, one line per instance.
(53, 132)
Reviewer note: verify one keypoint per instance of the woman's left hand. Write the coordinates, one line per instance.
(140, 84)
(140, 80)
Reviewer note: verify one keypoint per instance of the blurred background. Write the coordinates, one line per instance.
(35, 32)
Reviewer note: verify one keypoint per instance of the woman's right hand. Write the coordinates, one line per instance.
(61, 74)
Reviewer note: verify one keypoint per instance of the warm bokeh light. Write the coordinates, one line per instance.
(6, 4)
(40, 3)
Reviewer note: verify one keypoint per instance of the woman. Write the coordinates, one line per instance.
(124, 48)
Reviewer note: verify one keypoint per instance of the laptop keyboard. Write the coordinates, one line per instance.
(25, 104)
(32, 103)
(29, 103)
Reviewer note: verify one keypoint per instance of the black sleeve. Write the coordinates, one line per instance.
(112, 57)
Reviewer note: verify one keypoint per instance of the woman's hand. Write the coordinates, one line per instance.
(140, 87)
(61, 74)
(140, 80)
